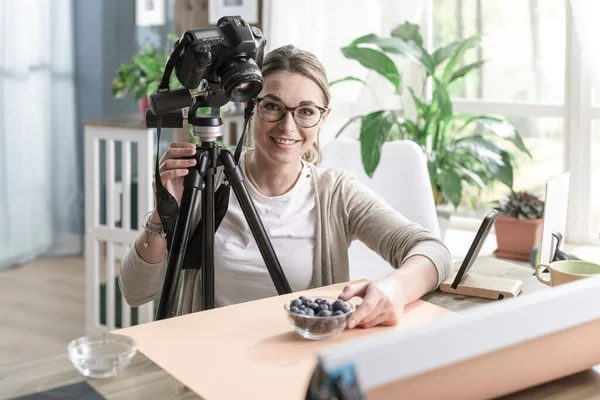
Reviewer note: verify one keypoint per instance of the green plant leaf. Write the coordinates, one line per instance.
(471, 176)
(413, 130)
(410, 50)
(374, 129)
(408, 32)
(506, 131)
(139, 93)
(422, 107)
(376, 61)
(464, 45)
(496, 160)
(499, 127)
(450, 184)
(465, 70)
(149, 66)
(348, 79)
(445, 52)
(370, 38)
(443, 101)
(151, 89)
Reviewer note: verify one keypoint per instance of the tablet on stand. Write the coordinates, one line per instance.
(465, 283)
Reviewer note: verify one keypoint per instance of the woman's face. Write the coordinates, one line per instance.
(285, 141)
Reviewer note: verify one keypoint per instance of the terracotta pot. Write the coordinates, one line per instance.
(143, 105)
(517, 237)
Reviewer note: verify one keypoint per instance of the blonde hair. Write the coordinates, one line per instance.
(291, 59)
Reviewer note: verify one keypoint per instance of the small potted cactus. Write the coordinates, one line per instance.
(519, 225)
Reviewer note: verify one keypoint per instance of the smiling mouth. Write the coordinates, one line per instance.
(284, 141)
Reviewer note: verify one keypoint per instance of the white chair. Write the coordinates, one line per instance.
(401, 178)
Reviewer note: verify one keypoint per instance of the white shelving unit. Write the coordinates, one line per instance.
(106, 241)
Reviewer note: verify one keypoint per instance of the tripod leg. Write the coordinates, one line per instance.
(235, 178)
(192, 185)
(207, 250)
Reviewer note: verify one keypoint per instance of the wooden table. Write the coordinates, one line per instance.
(143, 379)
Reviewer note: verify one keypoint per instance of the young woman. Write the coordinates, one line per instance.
(311, 215)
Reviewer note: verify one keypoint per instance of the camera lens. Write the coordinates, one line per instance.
(241, 79)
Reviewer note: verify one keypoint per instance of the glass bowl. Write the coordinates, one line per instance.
(102, 355)
(314, 325)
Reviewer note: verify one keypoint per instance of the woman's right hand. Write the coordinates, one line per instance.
(173, 168)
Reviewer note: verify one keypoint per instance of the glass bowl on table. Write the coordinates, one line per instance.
(103, 355)
(318, 318)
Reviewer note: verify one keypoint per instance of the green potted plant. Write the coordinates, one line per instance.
(462, 151)
(143, 74)
(519, 225)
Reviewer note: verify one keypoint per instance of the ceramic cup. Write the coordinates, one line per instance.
(566, 271)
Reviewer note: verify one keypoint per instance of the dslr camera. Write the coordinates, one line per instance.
(228, 57)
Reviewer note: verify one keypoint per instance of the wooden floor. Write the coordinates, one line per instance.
(41, 307)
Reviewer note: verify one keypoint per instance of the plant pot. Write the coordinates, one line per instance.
(143, 105)
(517, 237)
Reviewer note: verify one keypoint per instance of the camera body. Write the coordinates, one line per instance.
(228, 57)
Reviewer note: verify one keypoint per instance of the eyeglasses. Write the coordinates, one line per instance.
(305, 116)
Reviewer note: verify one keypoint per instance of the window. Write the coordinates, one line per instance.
(529, 46)
(523, 42)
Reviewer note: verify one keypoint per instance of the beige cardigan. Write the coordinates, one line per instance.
(346, 210)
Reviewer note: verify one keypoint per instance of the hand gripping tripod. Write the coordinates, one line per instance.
(201, 178)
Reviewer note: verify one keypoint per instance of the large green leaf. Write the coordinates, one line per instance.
(499, 127)
(347, 79)
(464, 45)
(408, 32)
(148, 65)
(495, 159)
(374, 129)
(506, 131)
(466, 69)
(410, 50)
(470, 176)
(444, 53)
(376, 61)
(370, 38)
(450, 183)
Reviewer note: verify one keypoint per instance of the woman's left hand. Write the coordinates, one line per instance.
(382, 303)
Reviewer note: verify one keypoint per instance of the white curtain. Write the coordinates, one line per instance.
(585, 17)
(323, 27)
(41, 195)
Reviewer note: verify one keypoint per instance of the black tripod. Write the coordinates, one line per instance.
(201, 178)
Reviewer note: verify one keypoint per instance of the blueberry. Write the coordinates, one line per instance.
(302, 299)
(322, 307)
(314, 306)
(296, 302)
(294, 309)
(332, 324)
(324, 313)
(337, 305)
(319, 300)
(310, 312)
(345, 309)
(338, 312)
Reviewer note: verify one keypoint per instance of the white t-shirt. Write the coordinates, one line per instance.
(290, 222)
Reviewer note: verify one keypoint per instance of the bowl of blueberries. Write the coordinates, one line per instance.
(319, 318)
